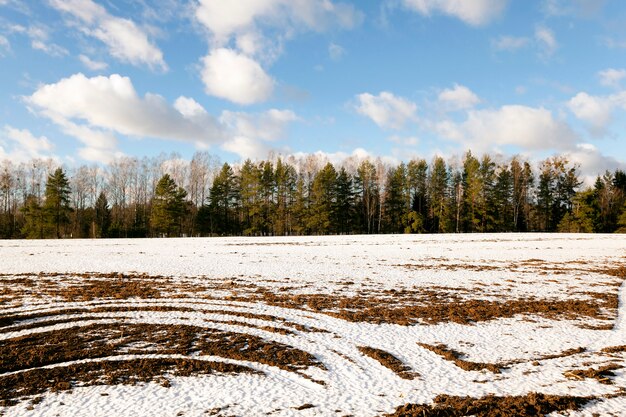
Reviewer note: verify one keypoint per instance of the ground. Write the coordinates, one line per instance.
(528, 324)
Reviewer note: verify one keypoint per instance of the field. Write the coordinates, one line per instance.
(527, 324)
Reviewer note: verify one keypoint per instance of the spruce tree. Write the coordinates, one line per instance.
(168, 207)
(103, 216)
(34, 219)
(57, 204)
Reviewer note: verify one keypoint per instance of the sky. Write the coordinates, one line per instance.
(88, 81)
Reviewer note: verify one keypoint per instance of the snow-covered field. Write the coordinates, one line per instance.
(308, 326)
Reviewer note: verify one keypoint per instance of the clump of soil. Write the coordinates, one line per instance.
(602, 374)
(101, 341)
(533, 404)
(408, 307)
(389, 361)
(614, 349)
(456, 357)
(37, 381)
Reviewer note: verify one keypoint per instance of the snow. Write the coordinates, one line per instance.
(542, 266)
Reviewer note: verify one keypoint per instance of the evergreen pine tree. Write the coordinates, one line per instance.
(57, 204)
(103, 216)
(168, 207)
(34, 218)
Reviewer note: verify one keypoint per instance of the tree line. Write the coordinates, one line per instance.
(167, 196)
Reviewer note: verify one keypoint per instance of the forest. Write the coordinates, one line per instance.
(166, 196)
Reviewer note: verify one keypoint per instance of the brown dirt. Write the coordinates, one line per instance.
(99, 341)
(15, 320)
(455, 356)
(34, 382)
(602, 374)
(103, 340)
(389, 361)
(533, 404)
(404, 307)
(614, 349)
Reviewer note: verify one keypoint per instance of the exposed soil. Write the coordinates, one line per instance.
(389, 361)
(602, 374)
(533, 404)
(614, 349)
(456, 357)
(16, 319)
(37, 381)
(99, 341)
(103, 340)
(404, 307)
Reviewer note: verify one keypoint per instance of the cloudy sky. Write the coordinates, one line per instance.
(88, 80)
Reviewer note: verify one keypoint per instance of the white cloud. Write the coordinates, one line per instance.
(612, 77)
(592, 162)
(91, 64)
(245, 33)
(108, 105)
(335, 51)
(50, 49)
(509, 43)
(269, 125)
(597, 111)
(475, 12)
(124, 39)
(24, 146)
(250, 133)
(95, 110)
(546, 40)
(386, 110)
(227, 19)
(459, 97)
(246, 147)
(235, 77)
(516, 125)
(39, 39)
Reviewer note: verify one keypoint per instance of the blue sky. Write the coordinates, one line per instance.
(87, 81)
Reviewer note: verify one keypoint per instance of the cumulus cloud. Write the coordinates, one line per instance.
(597, 111)
(246, 34)
(237, 18)
(521, 126)
(386, 109)
(91, 64)
(95, 110)
(509, 43)
(458, 98)
(20, 145)
(592, 162)
(475, 13)
(612, 77)
(251, 134)
(124, 39)
(546, 40)
(246, 147)
(235, 77)
(269, 125)
(105, 105)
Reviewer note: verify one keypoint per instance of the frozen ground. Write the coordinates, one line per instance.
(293, 322)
